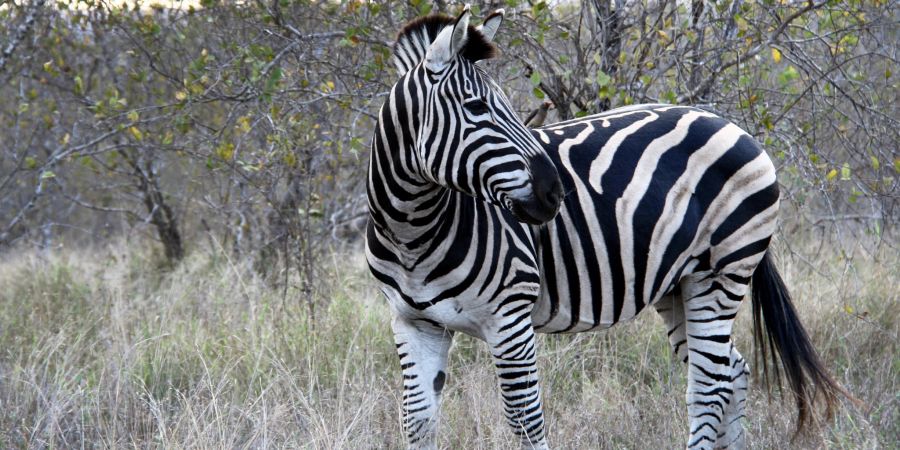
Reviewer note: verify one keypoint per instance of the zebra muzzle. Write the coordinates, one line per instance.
(546, 196)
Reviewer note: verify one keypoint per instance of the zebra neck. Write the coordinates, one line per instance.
(410, 214)
(407, 210)
(430, 232)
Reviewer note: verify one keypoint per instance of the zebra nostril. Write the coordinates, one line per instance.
(550, 193)
(546, 183)
(556, 193)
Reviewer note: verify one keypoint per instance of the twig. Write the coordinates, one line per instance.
(21, 31)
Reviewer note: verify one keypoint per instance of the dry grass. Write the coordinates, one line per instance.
(100, 349)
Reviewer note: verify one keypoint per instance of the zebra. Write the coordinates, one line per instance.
(481, 226)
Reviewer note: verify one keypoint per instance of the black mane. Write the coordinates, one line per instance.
(415, 37)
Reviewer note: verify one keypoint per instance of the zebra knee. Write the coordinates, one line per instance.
(423, 358)
(671, 309)
(678, 341)
(439, 381)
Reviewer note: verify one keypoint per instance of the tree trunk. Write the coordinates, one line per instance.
(160, 213)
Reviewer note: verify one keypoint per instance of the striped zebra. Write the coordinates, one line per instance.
(479, 225)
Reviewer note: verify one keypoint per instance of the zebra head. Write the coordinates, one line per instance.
(467, 137)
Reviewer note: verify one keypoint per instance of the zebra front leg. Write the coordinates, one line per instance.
(423, 349)
(513, 347)
(711, 303)
(671, 309)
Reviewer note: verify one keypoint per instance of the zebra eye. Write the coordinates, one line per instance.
(477, 106)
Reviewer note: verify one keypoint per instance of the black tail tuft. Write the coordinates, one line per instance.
(783, 338)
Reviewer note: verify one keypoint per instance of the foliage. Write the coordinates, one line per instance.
(247, 124)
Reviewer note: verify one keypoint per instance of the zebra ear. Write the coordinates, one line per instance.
(448, 42)
(491, 24)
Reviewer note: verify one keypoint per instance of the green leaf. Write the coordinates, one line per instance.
(535, 78)
(845, 172)
(538, 93)
(602, 78)
(788, 75)
(48, 67)
(670, 97)
(875, 163)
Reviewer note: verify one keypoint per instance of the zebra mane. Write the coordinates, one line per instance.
(415, 37)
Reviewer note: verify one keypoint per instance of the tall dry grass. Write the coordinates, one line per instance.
(102, 348)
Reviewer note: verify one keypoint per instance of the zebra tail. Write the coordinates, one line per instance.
(779, 335)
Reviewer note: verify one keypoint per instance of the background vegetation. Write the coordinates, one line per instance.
(181, 199)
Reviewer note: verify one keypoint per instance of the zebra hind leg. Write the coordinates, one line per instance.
(423, 349)
(730, 432)
(717, 379)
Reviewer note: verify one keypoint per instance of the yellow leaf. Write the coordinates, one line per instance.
(133, 116)
(65, 139)
(776, 54)
(290, 159)
(663, 35)
(244, 124)
(180, 96)
(225, 151)
(831, 175)
(136, 133)
(849, 309)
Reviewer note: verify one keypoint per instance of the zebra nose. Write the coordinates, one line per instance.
(546, 184)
